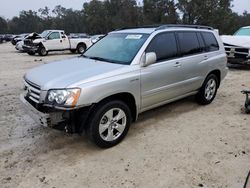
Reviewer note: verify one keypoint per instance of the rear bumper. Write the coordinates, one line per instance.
(37, 116)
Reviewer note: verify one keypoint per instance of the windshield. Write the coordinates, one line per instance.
(117, 48)
(243, 32)
(45, 33)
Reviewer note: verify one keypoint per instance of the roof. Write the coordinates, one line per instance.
(136, 30)
(151, 28)
(52, 30)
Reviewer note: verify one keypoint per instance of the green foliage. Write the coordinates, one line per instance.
(160, 11)
(3, 25)
(102, 16)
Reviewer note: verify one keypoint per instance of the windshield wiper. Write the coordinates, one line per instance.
(104, 59)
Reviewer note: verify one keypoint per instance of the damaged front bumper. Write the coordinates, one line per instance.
(71, 121)
(237, 55)
(39, 117)
(33, 49)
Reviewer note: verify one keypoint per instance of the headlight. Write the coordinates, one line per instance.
(63, 97)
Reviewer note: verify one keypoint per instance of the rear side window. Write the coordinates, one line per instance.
(202, 43)
(210, 41)
(164, 45)
(189, 43)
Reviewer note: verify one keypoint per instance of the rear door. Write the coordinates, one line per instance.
(193, 59)
(161, 81)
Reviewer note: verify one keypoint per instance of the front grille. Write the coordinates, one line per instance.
(236, 51)
(33, 91)
(28, 42)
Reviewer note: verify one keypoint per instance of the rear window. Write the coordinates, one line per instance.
(189, 43)
(210, 41)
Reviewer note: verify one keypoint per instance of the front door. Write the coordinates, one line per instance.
(54, 41)
(163, 80)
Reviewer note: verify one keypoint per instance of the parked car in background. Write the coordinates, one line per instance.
(237, 46)
(18, 38)
(8, 37)
(96, 38)
(19, 46)
(126, 73)
(55, 40)
(78, 35)
(1, 38)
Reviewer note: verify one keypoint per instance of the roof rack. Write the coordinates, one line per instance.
(159, 27)
(184, 26)
(138, 27)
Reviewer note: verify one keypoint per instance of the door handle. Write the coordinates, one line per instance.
(177, 64)
(205, 57)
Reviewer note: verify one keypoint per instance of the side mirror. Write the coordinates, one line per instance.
(148, 59)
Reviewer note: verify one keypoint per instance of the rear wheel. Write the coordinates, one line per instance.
(208, 90)
(109, 123)
(81, 48)
(42, 51)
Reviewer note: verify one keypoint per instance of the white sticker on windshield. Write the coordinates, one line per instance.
(136, 37)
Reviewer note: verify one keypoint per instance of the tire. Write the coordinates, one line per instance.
(42, 51)
(31, 53)
(81, 48)
(73, 51)
(13, 42)
(208, 90)
(103, 128)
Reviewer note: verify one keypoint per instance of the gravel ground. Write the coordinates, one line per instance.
(181, 144)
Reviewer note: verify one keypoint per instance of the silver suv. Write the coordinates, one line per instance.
(124, 74)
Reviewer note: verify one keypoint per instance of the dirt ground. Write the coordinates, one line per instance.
(179, 145)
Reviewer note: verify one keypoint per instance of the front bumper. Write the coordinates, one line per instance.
(237, 55)
(30, 48)
(37, 116)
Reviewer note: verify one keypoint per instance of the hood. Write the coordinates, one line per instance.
(64, 73)
(33, 36)
(240, 41)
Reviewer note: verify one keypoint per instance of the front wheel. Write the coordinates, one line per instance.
(208, 90)
(42, 51)
(109, 123)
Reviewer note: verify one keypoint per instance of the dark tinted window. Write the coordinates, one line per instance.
(189, 43)
(210, 41)
(164, 45)
(201, 42)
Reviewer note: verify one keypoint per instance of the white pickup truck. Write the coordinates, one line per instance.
(54, 40)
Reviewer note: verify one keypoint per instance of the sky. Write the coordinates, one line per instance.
(10, 8)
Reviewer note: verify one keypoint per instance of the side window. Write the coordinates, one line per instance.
(201, 42)
(55, 35)
(189, 43)
(164, 45)
(210, 41)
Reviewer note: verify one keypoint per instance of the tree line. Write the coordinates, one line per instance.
(98, 16)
